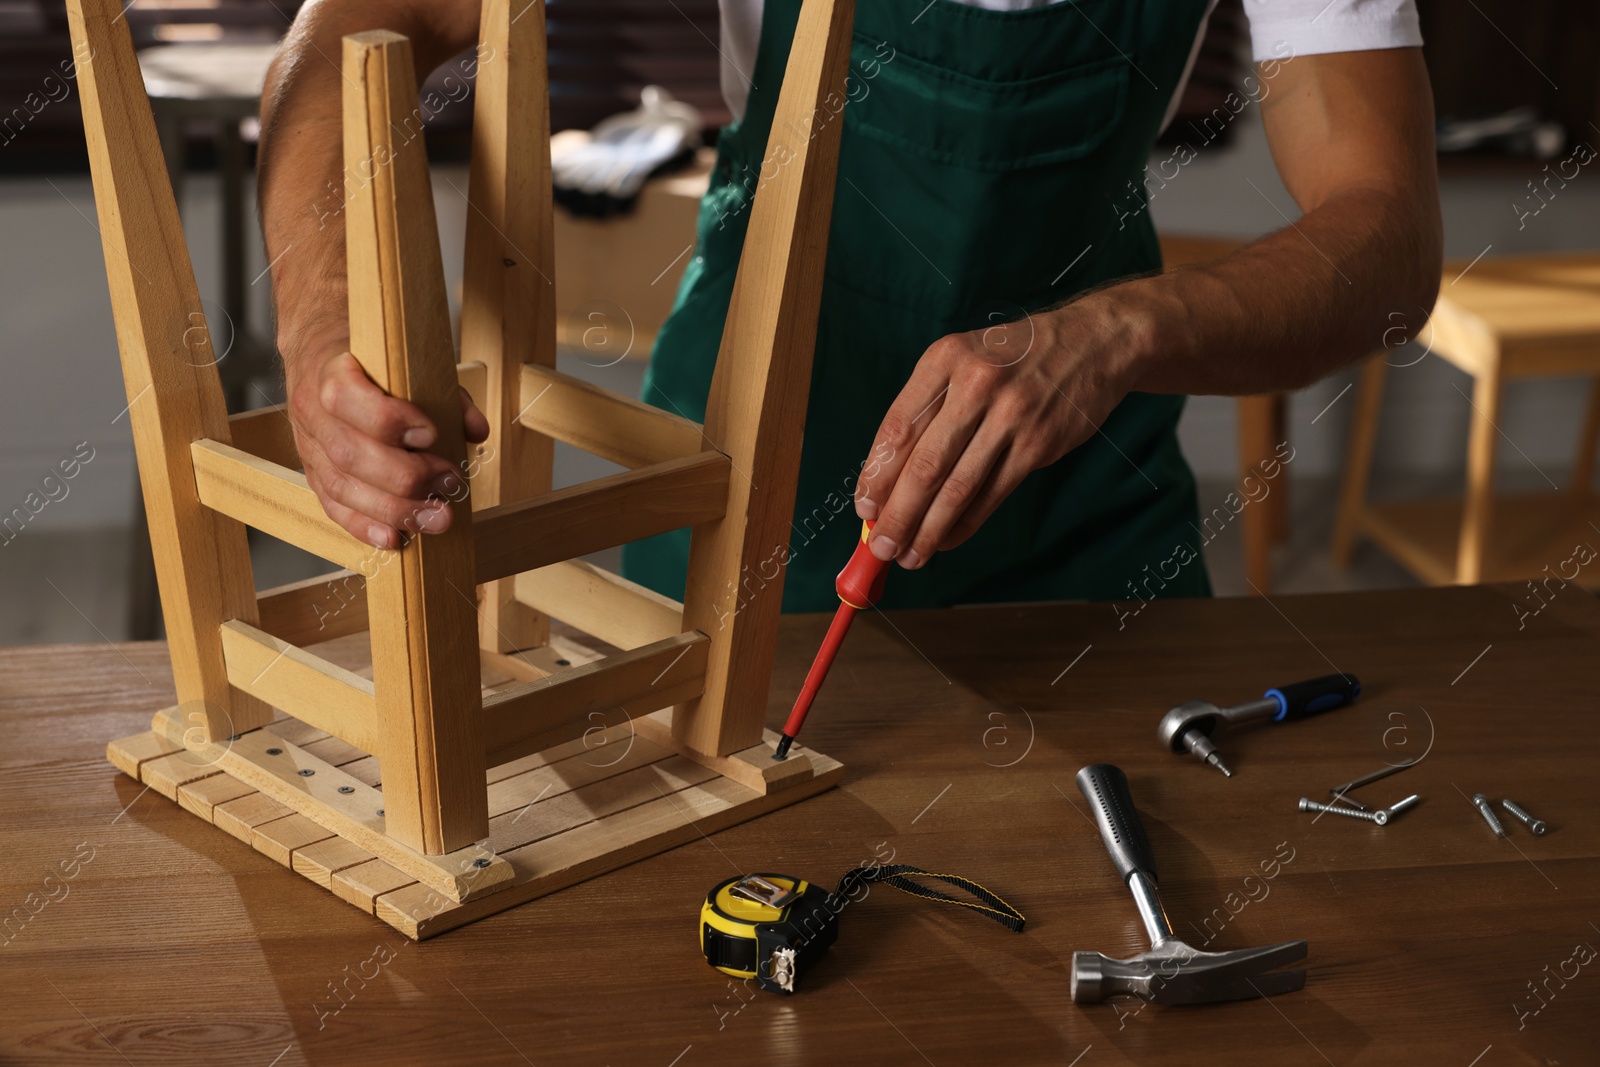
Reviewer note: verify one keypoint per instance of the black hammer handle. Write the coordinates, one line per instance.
(1106, 789)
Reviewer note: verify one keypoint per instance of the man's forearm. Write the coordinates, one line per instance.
(303, 191)
(1358, 273)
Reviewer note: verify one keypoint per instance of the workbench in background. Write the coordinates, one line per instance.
(174, 944)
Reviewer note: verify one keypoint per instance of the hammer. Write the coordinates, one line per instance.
(1171, 972)
(1190, 724)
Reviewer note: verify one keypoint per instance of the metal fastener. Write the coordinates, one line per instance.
(1402, 805)
(380, 812)
(347, 789)
(306, 772)
(480, 863)
(1481, 802)
(274, 751)
(1535, 826)
(1380, 816)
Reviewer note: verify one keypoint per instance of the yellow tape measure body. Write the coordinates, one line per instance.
(773, 927)
(769, 927)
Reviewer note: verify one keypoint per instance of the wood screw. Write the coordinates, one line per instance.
(1535, 826)
(274, 751)
(1481, 802)
(307, 772)
(347, 789)
(1380, 816)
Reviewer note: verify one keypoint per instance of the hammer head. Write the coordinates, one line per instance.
(1175, 973)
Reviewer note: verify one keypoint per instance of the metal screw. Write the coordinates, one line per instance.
(563, 663)
(306, 772)
(1535, 826)
(380, 812)
(274, 751)
(1401, 805)
(347, 789)
(480, 864)
(1380, 816)
(1481, 802)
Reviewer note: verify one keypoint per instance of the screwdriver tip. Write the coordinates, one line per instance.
(1216, 761)
(782, 752)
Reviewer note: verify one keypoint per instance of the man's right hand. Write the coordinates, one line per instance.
(364, 451)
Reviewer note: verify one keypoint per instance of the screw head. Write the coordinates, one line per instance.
(563, 663)
(274, 751)
(306, 772)
(480, 863)
(347, 789)
(1381, 816)
(1537, 827)
(380, 811)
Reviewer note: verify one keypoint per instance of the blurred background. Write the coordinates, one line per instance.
(1517, 87)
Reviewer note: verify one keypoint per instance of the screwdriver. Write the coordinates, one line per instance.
(859, 586)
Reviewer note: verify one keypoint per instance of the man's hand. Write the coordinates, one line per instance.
(1352, 136)
(363, 450)
(983, 410)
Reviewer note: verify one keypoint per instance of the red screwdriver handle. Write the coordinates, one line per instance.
(860, 584)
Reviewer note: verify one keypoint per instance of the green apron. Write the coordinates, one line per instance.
(991, 164)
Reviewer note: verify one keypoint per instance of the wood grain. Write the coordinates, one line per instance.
(423, 606)
(587, 416)
(508, 305)
(601, 603)
(1423, 934)
(168, 366)
(757, 408)
(604, 513)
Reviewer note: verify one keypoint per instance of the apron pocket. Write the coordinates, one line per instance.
(956, 119)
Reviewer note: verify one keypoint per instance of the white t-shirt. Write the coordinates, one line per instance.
(1277, 28)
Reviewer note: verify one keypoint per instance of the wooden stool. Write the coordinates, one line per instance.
(1263, 426)
(410, 794)
(1502, 320)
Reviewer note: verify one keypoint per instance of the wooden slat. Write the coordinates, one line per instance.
(625, 431)
(203, 796)
(604, 845)
(362, 884)
(168, 367)
(600, 603)
(275, 500)
(303, 684)
(757, 407)
(277, 840)
(554, 710)
(321, 860)
(600, 514)
(128, 753)
(508, 305)
(752, 767)
(598, 800)
(166, 774)
(241, 817)
(266, 434)
(315, 609)
(353, 815)
(423, 609)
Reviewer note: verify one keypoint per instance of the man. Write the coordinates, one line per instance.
(999, 368)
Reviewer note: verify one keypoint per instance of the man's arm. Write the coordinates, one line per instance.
(1352, 136)
(361, 447)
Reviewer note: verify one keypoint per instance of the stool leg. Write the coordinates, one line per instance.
(1358, 458)
(1261, 428)
(1588, 440)
(1478, 507)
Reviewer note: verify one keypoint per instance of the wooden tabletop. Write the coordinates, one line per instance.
(136, 933)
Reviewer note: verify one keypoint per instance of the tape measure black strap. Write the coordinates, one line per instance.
(899, 875)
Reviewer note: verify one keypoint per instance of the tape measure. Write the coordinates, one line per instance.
(774, 927)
